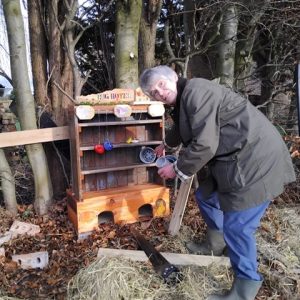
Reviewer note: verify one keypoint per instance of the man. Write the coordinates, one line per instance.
(247, 159)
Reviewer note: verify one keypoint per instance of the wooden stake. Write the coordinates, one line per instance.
(180, 205)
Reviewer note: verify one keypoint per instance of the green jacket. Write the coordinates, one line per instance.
(248, 160)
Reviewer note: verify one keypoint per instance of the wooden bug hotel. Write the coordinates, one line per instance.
(114, 176)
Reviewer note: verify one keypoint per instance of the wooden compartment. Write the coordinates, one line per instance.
(115, 184)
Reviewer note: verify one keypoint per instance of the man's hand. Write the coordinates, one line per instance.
(159, 150)
(167, 172)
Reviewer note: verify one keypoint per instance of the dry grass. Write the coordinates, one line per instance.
(4, 297)
(120, 278)
(278, 242)
(279, 251)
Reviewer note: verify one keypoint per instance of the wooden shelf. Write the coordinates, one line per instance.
(116, 186)
(124, 145)
(119, 168)
(114, 123)
(86, 196)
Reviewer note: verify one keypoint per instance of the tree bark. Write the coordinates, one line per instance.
(227, 47)
(147, 34)
(25, 102)
(7, 185)
(38, 54)
(188, 23)
(126, 43)
(70, 42)
(55, 65)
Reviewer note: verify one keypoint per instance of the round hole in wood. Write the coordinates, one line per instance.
(146, 210)
(105, 217)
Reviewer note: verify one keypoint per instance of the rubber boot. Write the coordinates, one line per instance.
(213, 244)
(242, 289)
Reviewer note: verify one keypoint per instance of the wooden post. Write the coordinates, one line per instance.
(180, 205)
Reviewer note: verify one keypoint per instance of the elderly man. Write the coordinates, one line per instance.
(247, 159)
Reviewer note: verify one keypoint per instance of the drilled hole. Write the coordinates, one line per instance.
(145, 211)
(106, 217)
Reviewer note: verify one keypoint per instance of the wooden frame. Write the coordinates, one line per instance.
(16, 138)
(116, 181)
(34, 136)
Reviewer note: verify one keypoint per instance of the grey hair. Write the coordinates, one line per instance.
(149, 76)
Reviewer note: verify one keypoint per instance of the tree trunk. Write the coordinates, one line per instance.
(147, 34)
(70, 42)
(244, 54)
(25, 102)
(227, 47)
(188, 23)
(7, 185)
(55, 65)
(126, 43)
(60, 68)
(38, 54)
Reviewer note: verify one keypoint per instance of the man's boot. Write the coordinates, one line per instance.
(242, 289)
(213, 244)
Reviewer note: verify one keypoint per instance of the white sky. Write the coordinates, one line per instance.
(4, 49)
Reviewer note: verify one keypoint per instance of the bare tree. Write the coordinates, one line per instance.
(38, 53)
(226, 48)
(126, 42)
(147, 34)
(25, 102)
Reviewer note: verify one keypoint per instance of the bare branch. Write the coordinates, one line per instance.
(66, 94)
(4, 74)
(170, 51)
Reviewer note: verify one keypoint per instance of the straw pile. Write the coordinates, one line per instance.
(120, 278)
(279, 252)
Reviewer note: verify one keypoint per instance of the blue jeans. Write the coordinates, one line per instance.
(239, 229)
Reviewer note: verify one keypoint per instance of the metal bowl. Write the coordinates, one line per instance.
(147, 155)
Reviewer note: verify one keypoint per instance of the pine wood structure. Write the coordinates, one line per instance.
(114, 186)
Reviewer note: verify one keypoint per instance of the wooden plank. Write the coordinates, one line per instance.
(122, 179)
(104, 109)
(120, 191)
(173, 258)
(114, 123)
(75, 158)
(125, 145)
(133, 166)
(141, 133)
(34, 136)
(180, 205)
(142, 175)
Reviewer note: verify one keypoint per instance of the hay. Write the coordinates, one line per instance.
(278, 249)
(119, 278)
(3, 296)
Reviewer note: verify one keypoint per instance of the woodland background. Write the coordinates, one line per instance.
(85, 47)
